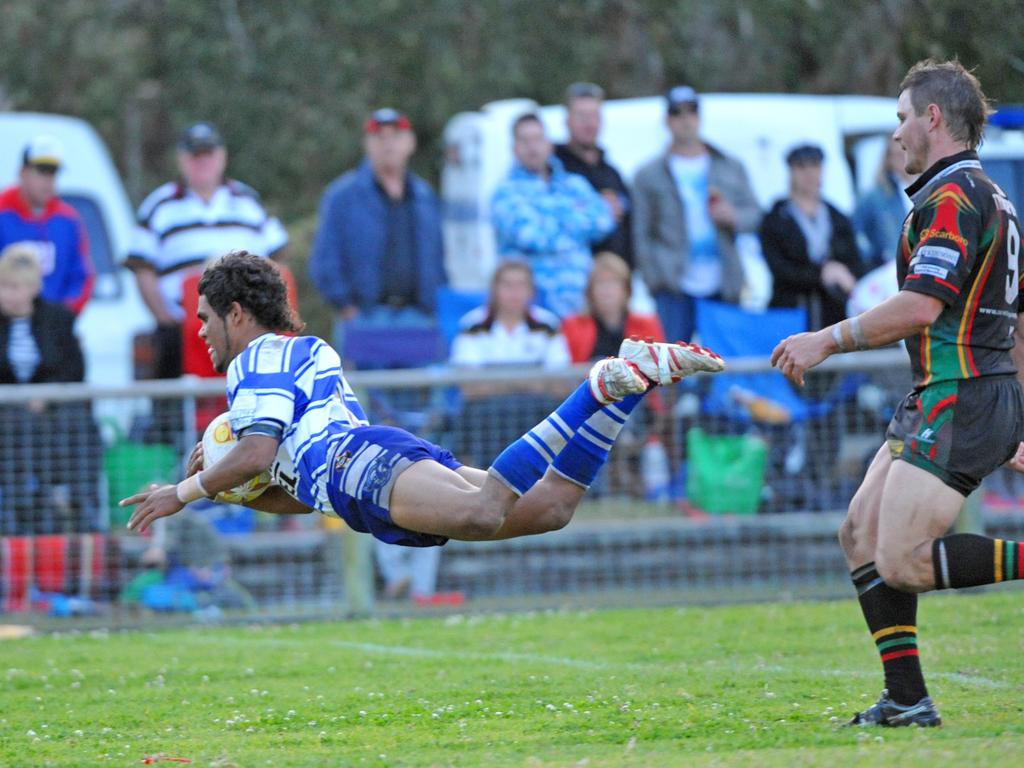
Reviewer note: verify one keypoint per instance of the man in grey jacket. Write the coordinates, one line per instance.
(688, 207)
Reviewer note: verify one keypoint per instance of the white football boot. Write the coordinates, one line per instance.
(666, 363)
(613, 378)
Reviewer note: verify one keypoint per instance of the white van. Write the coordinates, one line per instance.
(758, 129)
(89, 181)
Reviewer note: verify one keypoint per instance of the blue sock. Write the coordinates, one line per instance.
(525, 461)
(586, 451)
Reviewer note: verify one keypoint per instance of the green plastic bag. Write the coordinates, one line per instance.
(725, 473)
(130, 466)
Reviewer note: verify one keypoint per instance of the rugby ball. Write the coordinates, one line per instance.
(218, 439)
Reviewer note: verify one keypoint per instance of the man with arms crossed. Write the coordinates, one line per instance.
(294, 413)
(959, 270)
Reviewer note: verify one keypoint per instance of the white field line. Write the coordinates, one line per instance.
(410, 651)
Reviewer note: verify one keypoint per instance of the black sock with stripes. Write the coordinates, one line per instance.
(892, 620)
(970, 560)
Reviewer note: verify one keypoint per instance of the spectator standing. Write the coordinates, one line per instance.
(378, 257)
(32, 213)
(548, 217)
(689, 206)
(600, 330)
(183, 223)
(49, 467)
(878, 218)
(809, 245)
(582, 155)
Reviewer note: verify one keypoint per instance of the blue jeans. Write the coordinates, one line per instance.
(678, 313)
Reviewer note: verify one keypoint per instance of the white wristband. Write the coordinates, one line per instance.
(837, 337)
(190, 489)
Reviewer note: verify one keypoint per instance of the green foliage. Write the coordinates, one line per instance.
(290, 83)
(737, 686)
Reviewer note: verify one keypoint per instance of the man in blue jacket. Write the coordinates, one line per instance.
(377, 256)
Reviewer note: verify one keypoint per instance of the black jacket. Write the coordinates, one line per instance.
(797, 279)
(59, 351)
(603, 176)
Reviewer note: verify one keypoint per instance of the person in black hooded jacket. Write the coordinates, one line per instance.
(809, 246)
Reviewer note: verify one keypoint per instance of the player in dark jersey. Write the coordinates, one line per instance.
(960, 270)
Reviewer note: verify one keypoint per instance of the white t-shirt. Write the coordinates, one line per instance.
(178, 231)
(703, 276)
(535, 341)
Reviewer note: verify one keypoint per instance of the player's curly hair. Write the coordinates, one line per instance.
(956, 91)
(256, 284)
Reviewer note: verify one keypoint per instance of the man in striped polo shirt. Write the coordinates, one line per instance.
(959, 268)
(183, 223)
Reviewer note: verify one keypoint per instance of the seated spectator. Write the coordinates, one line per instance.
(878, 218)
(507, 331)
(187, 568)
(48, 457)
(548, 217)
(599, 332)
(809, 245)
(582, 155)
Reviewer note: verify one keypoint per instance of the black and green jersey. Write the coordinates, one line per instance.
(961, 244)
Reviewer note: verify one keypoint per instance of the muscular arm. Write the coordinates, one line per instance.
(252, 455)
(894, 319)
(277, 501)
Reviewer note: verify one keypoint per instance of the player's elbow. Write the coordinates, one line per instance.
(924, 311)
(256, 453)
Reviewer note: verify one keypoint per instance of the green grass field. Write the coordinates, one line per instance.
(735, 686)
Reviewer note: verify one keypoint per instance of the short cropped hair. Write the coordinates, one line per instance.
(528, 117)
(956, 91)
(20, 263)
(256, 284)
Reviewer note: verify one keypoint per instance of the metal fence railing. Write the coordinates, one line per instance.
(722, 488)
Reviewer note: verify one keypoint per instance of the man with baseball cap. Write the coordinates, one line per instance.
(378, 257)
(689, 206)
(183, 223)
(31, 213)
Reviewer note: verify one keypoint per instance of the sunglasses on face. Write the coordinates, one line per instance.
(683, 109)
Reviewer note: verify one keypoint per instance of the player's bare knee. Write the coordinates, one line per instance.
(483, 522)
(897, 571)
(558, 516)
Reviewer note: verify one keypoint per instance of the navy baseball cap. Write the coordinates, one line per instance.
(200, 137)
(805, 153)
(681, 96)
(387, 116)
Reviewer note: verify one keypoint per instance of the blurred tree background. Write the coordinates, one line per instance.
(289, 84)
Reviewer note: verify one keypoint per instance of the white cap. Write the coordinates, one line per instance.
(44, 150)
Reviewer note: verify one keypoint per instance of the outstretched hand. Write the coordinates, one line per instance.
(156, 502)
(796, 354)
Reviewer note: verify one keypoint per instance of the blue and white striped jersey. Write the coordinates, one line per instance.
(295, 384)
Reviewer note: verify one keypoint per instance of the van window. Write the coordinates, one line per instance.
(108, 283)
(1009, 175)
